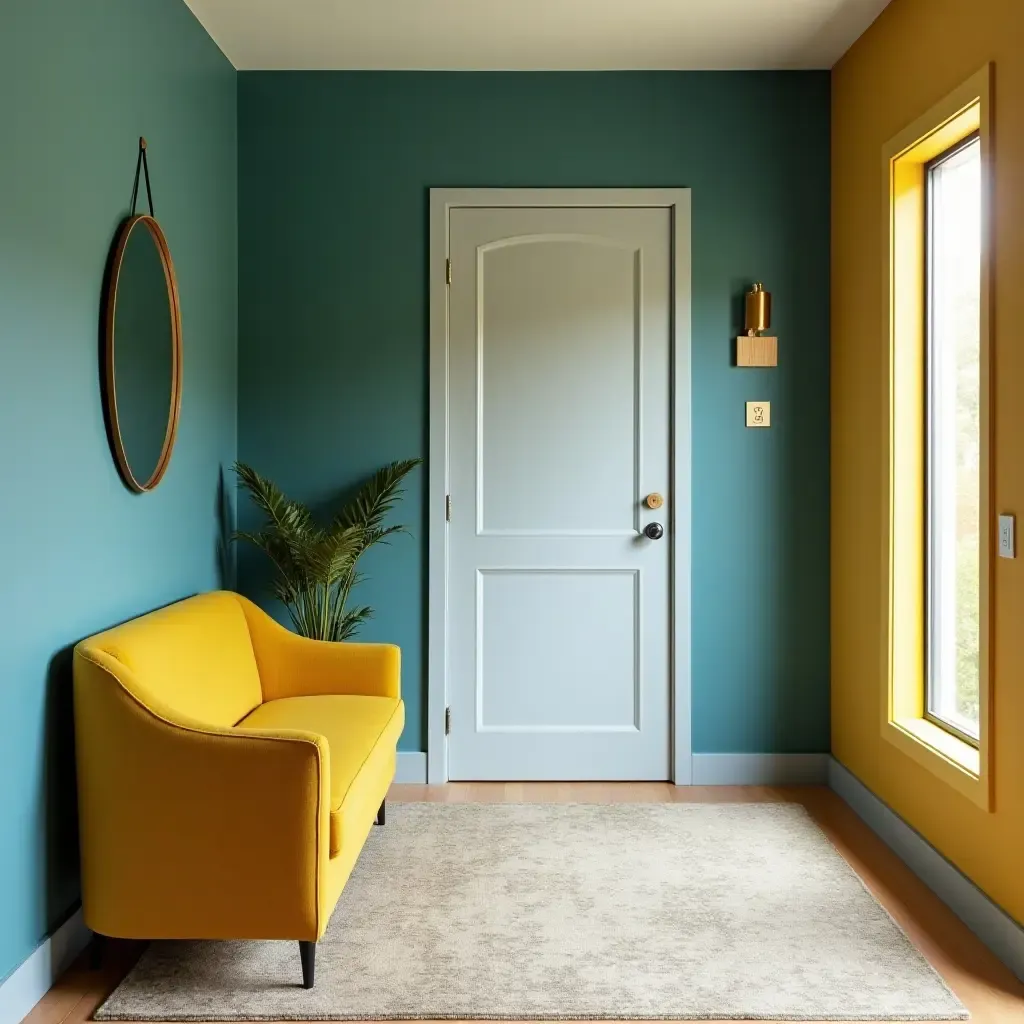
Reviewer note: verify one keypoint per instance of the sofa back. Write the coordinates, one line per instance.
(193, 658)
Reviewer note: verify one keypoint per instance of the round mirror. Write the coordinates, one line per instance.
(143, 353)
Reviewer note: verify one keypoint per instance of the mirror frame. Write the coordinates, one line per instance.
(124, 233)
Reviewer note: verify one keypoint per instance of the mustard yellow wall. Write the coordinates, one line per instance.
(914, 55)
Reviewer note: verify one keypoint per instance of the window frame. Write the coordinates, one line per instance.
(966, 769)
(931, 550)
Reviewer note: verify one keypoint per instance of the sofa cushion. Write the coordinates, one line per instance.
(352, 726)
(194, 657)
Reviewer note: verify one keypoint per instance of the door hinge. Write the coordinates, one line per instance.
(447, 721)
(447, 271)
(447, 508)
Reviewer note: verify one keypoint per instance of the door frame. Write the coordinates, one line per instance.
(677, 201)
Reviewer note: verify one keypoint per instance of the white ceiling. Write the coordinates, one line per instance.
(467, 35)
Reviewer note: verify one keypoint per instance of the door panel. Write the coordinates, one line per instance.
(584, 291)
(583, 631)
(559, 322)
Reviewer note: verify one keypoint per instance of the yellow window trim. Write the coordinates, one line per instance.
(965, 768)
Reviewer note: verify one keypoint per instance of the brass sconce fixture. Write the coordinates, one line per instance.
(753, 348)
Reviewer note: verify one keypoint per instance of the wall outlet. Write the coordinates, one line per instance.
(759, 414)
(1007, 537)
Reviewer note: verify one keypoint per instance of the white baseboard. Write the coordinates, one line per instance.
(29, 982)
(706, 769)
(987, 920)
(760, 769)
(412, 766)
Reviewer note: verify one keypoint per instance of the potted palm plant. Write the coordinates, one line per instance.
(315, 565)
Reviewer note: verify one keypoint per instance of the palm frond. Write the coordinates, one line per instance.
(285, 515)
(378, 496)
(332, 555)
(380, 534)
(315, 566)
(350, 622)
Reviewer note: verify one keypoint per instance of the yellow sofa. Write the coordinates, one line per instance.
(229, 772)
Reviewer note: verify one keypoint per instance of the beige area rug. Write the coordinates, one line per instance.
(571, 911)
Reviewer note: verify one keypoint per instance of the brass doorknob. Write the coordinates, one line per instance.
(654, 500)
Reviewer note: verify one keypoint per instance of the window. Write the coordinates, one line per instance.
(953, 438)
(936, 687)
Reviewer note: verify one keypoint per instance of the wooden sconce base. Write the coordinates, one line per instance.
(757, 351)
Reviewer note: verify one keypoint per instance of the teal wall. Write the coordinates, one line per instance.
(79, 82)
(333, 175)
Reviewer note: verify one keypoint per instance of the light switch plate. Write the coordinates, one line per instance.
(759, 414)
(1007, 537)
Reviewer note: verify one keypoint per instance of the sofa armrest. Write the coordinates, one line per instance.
(294, 666)
(193, 831)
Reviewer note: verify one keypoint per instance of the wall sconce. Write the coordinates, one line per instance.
(755, 349)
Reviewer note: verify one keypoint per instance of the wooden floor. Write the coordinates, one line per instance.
(985, 986)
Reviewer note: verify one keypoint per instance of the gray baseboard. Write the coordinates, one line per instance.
(412, 766)
(33, 978)
(989, 922)
(759, 769)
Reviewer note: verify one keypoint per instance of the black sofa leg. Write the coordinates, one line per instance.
(380, 813)
(96, 950)
(307, 953)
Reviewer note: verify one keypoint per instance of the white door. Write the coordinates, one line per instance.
(559, 393)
